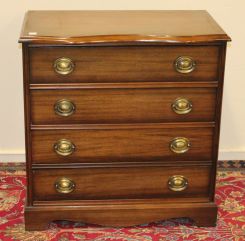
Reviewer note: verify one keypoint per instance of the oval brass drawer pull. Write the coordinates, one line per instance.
(180, 145)
(184, 64)
(177, 183)
(182, 106)
(64, 185)
(64, 107)
(64, 147)
(63, 66)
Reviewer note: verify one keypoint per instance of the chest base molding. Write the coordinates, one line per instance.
(118, 214)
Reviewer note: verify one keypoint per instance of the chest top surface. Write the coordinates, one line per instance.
(83, 27)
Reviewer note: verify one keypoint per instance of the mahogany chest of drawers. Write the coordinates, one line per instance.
(122, 115)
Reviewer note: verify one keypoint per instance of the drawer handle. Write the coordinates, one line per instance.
(182, 106)
(64, 147)
(63, 66)
(177, 183)
(180, 145)
(64, 185)
(64, 107)
(184, 64)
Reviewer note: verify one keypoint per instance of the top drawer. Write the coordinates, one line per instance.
(123, 64)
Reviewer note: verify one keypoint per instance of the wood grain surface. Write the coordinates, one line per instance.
(121, 183)
(83, 27)
(95, 106)
(123, 64)
(122, 145)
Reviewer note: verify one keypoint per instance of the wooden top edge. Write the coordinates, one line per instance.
(124, 39)
(120, 27)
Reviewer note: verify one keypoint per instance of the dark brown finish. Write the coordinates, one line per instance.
(123, 64)
(121, 183)
(122, 105)
(108, 27)
(218, 117)
(122, 85)
(125, 85)
(113, 145)
(27, 108)
(122, 214)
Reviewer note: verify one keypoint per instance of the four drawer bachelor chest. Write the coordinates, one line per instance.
(122, 115)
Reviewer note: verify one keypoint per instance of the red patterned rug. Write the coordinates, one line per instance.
(229, 197)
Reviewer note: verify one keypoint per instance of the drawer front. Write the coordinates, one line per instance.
(122, 145)
(123, 64)
(122, 105)
(121, 183)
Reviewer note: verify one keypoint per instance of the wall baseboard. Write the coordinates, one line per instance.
(19, 156)
(232, 155)
(12, 156)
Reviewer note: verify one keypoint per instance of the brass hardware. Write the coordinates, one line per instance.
(64, 107)
(64, 185)
(177, 183)
(63, 66)
(184, 64)
(180, 145)
(64, 147)
(182, 106)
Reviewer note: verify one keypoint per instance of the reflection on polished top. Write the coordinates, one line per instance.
(81, 27)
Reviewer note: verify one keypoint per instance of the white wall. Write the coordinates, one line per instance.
(229, 14)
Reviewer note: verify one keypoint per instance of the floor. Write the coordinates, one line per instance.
(230, 192)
